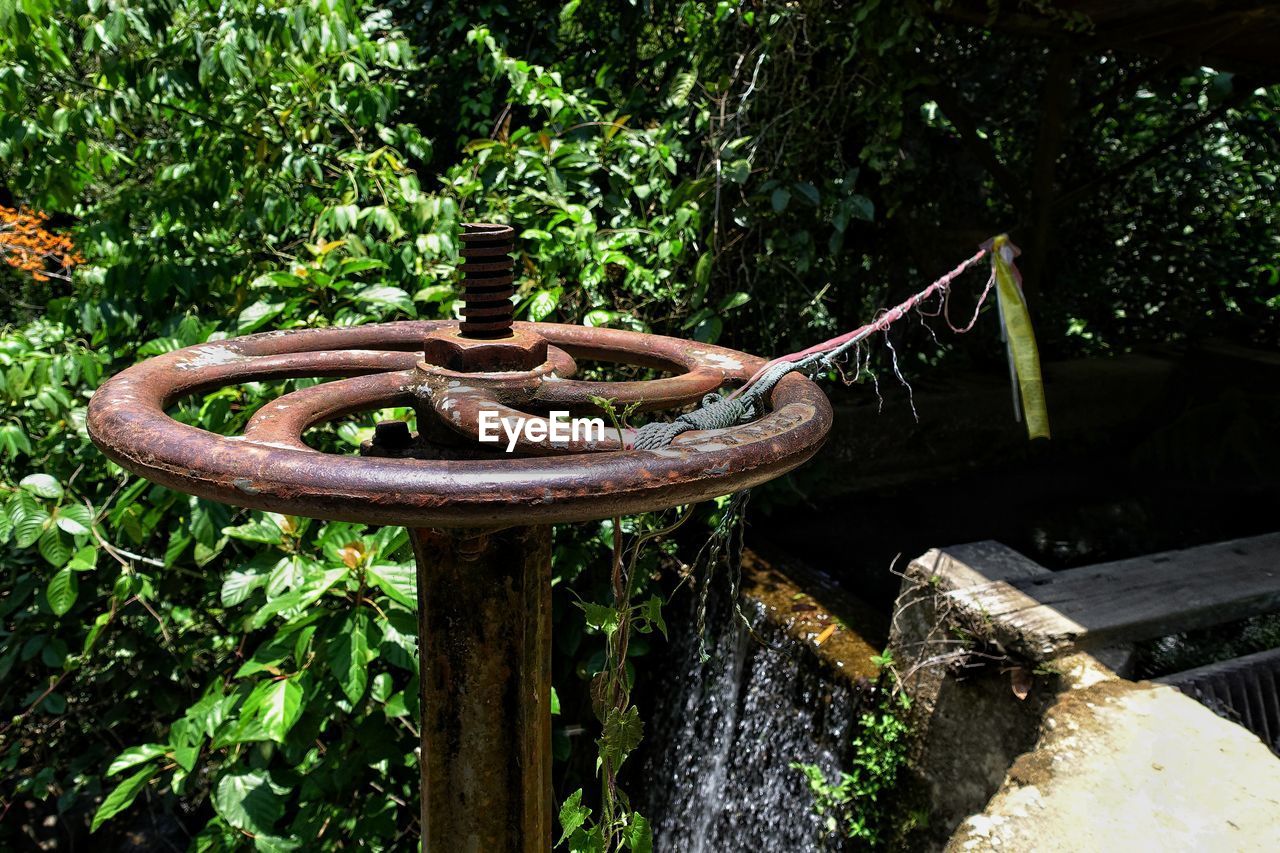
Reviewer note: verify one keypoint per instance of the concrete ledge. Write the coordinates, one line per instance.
(1132, 766)
(1063, 754)
(968, 722)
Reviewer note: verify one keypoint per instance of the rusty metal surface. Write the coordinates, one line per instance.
(488, 280)
(453, 349)
(484, 623)
(271, 468)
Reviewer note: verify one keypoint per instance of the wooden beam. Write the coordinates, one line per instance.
(1130, 600)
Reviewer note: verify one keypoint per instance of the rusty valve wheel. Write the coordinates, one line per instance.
(451, 373)
(484, 594)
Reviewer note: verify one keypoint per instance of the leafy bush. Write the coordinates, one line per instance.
(231, 167)
(856, 805)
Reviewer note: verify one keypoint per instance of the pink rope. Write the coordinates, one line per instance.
(885, 320)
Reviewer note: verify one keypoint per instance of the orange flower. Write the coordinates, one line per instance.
(27, 245)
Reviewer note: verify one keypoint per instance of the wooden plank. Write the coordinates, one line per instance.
(983, 562)
(1129, 600)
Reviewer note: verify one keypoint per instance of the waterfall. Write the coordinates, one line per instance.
(715, 765)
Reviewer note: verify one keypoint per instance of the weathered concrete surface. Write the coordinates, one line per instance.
(967, 720)
(1132, 766)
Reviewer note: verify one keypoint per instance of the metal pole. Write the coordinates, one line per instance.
(484, 647)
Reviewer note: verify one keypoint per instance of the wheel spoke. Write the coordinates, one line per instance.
(206, 368)
(460, 409)
(700, 368)
(281, 422)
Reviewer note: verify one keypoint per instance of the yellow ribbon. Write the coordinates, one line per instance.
(1024, 357)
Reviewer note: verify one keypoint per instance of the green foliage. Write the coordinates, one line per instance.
(857, 806)
(598, 200)
(234, 167)
(289, 726)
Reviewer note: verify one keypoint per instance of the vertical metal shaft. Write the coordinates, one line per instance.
(484, 622)
(488, 280)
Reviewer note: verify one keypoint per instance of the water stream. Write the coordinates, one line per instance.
(724, 733)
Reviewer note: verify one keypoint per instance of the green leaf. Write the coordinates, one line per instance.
(123, 796)
(178, 542)
(249, 800)
(600, 617)
(288, 573)
(42, 485)
(863, 208)
(682, 87)
(349, 655)
(264, 529)
(28, 522)
(398, 581)
(708, 330)
(639, 834)
(435, 293)
(185, 755)
(299, 599)
(543, 303)
(14, 440)
(280, 707)
(387, 296)
(84, 560)
(380, 689)
(62, 591)
(239, 585)
(734, 300)
(623, 731)
(350, 266)
(98, 625)
(134, 756)
(268, 656)
(399, 645)
(395, 706)
(277, 279)
(780, 199)
(55, 547)
(653, 610)
(809, 191)
(737, 172)
(573, 814)
(703, 270)
(599, 317)
(258, 315)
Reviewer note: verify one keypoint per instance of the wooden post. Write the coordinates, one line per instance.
(484, 647)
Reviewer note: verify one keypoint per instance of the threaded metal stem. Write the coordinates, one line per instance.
(488, 279)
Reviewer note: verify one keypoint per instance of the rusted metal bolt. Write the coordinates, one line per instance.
(456, 350)
(488, 280)
(392, 435)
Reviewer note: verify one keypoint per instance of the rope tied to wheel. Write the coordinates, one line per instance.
(749, 402)
(717, 412)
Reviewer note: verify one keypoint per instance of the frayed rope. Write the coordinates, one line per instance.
(748, 402)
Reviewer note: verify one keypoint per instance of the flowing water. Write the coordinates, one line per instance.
(721, 741)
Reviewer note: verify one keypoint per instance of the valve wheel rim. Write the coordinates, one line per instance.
(271, 468)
